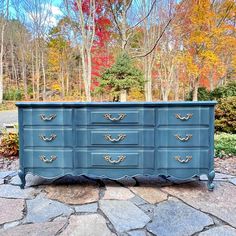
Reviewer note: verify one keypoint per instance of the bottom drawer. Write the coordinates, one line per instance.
(114, 159)
(182, 159)
(48, 158)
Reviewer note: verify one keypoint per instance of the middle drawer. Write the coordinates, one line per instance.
(115, 137)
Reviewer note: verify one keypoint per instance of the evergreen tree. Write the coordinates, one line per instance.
(122, 76)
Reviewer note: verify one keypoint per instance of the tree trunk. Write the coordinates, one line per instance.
(195, 91)
(123, 95)
(1, 63)
(148, 79)
(44, 77)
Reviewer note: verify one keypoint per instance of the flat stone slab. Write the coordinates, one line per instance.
(73, 194)
(42, 209)
(137, 200)
(137, 233)
(10, 191)
(220, 203)
(174, 218)
(124, 215)
(31, 180)
(218, 176)
(224, 230)
(152, 195)
(4, 174)
(11, 210)
(87, 225)
(148, 209)
(233, 181)
(38, 229)
(118, 193)
(87, 208)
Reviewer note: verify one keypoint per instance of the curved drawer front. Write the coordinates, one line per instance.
(48, 158)
(182, 159)
(48, 137)
(50, 116)
(111, 137)
(183, 116)
(179, 137)
(115, 159)
(115, 116)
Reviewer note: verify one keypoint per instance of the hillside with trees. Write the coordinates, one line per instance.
(105, 50)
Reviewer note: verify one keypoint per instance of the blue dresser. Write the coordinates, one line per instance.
(114, 140)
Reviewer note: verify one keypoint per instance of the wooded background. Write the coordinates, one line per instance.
(112, 50)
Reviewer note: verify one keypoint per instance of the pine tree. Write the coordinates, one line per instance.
(122, 76)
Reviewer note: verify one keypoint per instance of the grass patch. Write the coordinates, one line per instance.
(225, 145)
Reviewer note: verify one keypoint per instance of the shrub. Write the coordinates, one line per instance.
(9, 144)
(225, 115)
(228, 90)
(203, 95)
(225, 145)
(13, 95)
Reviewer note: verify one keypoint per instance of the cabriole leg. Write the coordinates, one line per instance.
(21, 174)
(210, 184)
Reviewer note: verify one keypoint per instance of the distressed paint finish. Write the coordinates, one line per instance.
(117, 139)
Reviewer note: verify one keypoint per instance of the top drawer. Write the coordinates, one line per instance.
(47, 116)
(183, 116)
(114, 116)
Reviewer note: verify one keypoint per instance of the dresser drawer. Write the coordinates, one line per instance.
(115, 116)
(48, 158)
(50, 116)
(121, 158)
(173, 159)
(182, 137)
(50, 137)
(115, 137)
(183, 116)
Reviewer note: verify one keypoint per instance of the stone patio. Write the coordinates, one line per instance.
(141, 206)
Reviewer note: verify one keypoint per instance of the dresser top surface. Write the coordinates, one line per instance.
(116, 104)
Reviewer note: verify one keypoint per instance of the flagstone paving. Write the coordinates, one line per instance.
(140, 206)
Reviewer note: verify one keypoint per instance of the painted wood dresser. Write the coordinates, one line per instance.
(114, 140)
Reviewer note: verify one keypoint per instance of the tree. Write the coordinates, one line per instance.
(123, 75)
(4, 11)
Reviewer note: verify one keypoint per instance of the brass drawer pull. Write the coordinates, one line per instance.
(120, 137)
(187, 117)
(120, 159)
(48, 118)
(45, 160)
(50, 139)
(109, 117)
(181, 160)
(184, 139)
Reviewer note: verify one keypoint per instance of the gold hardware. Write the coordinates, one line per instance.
(51, 138)
(44, 159)
(120, 137)
(47, 118)
(184, 139)
(187, 117)
(109, 117)
(120, 159)
(181, 160)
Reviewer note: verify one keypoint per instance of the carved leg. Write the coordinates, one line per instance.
(210, 184)
(21, 174)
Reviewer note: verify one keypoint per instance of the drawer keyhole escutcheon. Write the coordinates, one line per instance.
(50, 139)
(183, 160)
(120, 159)
(187, 117)
(45, 160)
(119, 138)
(109, 117)
(48, 118)
(184, 139)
